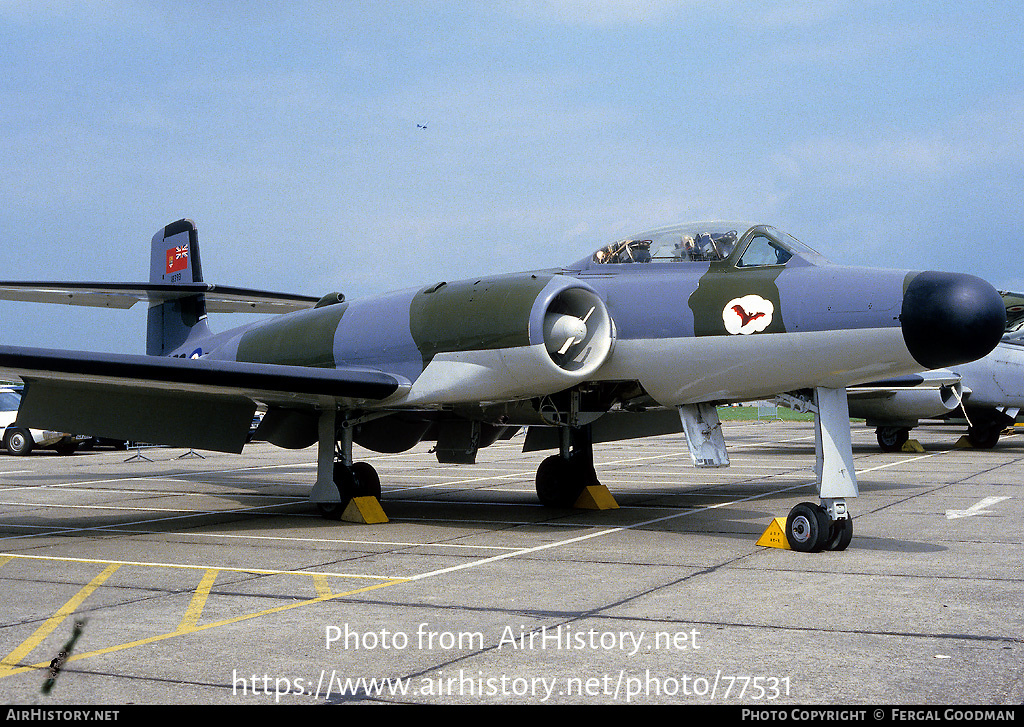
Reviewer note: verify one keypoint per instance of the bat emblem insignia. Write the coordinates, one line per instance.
(746, 315)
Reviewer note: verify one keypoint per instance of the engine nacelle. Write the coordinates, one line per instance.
(502, 338)
(906, 405)
(578, 334)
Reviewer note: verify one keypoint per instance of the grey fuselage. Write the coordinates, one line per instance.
(682, 330)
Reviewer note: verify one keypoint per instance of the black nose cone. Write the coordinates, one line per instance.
(949, 318)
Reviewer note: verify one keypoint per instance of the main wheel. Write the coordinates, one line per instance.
(18, 441)
(558, 482)
(367, 480)
(892, 439)
(359, 480)
(985, 435)
(808, 528)
(841, 534)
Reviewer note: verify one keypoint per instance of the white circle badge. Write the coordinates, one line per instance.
(749, 314)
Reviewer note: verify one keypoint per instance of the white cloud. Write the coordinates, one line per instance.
(965, 145)
(599, 12)
(739, 13)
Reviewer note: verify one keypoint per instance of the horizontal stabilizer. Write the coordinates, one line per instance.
(219, 298)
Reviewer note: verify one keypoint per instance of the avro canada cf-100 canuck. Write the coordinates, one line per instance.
(645, 336)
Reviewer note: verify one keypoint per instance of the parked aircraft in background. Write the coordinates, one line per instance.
(988, 393)
(647, 333)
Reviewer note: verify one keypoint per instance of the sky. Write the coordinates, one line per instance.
(887, 134)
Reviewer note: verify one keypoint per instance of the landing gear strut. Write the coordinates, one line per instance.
(563, 476)
(810, 527)
(338, 479)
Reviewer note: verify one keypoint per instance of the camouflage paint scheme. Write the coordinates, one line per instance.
(682, 317)
(402, 333)
(667, 320)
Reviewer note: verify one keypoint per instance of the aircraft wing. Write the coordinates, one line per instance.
(201, 403)
(219, 298)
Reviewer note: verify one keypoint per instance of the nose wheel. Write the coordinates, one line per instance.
(810, 529)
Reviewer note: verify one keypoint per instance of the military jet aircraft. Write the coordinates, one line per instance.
(988, 394)
(646, 335)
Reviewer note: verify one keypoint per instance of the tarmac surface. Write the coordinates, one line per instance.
(214, 581)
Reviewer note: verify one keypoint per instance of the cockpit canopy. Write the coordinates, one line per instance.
(746, 244)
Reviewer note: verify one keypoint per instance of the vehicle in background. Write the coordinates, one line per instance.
(21, 440)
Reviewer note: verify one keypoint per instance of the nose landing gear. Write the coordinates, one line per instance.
(810, 529)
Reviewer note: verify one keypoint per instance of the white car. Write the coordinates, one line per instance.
(19, 440)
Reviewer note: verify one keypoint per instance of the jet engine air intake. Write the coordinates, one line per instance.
(577, 331)
(509, 337)
(905, 406)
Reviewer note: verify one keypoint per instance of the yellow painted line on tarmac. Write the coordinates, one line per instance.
(323, 587)
(204, 627)
(195, 608)
(7, 664)
(258, 571)
(189, 623)
(151, 508)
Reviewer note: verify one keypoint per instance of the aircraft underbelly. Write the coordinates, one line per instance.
(737, 368)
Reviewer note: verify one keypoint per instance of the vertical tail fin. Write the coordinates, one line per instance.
(174, 260)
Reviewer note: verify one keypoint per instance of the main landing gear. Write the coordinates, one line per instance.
(339, 480)
(563, 476)
(358, 479)
(892, 439)
(810, 527)
(984, 429)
